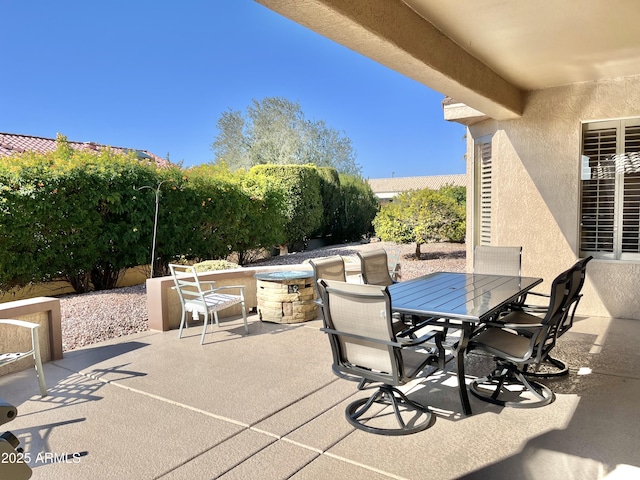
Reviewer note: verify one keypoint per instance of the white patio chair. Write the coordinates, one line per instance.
(203, 301)
(10, 357)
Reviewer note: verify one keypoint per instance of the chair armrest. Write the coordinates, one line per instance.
(330, 331)
(538, 294)
(19, 323)
(410, 342)
(225, 287)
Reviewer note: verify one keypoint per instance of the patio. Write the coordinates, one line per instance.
(268, 406)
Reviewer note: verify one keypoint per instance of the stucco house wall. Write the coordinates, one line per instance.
(536, 187)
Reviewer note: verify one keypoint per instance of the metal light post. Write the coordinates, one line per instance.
(155, 222)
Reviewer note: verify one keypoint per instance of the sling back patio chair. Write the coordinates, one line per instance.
(552, 367)
(327, 268)
(203, 298)
(519, 341)
(359, 325)
(33, 351)
(374, 266)
(495, 260)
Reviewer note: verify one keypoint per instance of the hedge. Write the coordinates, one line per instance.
(87, 216)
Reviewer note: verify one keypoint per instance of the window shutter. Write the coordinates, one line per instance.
(631, 196)
(483, 195)
(598, 190)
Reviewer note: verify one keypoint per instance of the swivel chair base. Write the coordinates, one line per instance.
(416, 417)
(557, 369)
(508, 387)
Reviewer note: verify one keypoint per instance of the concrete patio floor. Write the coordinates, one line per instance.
(267, 406)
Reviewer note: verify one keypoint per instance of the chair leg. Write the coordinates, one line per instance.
(244, 317)
(204, 327)
(182, 322)
(38, 362)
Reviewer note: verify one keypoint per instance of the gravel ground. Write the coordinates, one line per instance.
(94, 317)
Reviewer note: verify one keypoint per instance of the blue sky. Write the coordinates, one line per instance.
(157, 74)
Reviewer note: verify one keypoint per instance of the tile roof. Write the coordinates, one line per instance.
(11, 143)
(392, 186)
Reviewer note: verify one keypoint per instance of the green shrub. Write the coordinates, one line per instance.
(358, 208)
(299, 186)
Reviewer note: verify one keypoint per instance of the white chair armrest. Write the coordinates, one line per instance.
(225, 287)
(19, 323)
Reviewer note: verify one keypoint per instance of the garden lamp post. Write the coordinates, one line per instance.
(155, 222)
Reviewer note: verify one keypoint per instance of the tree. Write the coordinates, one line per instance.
(299, 187)
(423, 216)
(276, 131)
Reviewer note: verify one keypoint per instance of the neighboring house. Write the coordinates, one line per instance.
(387, 188)
(12, 143)
(550, 95)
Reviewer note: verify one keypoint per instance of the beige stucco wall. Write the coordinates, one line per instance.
(536, 187)
(43, 311)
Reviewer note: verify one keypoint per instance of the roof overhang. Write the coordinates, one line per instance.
(486, 54)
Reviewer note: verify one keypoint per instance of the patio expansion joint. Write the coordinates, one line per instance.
(98, 378)
(203, 452)
(288, 405)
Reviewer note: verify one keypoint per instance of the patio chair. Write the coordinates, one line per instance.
(10, 357)
(374, 266)
(359, 325)
(327, 268)
(393, 263)
(578, 275)
(203, 301)
(491, 260)
(520, 340)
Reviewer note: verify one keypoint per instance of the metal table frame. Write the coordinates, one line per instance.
(459, 300)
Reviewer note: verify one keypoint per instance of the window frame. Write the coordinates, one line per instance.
(609, 206)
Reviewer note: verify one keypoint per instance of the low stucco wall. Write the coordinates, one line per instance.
(44, 311)
(163, 303)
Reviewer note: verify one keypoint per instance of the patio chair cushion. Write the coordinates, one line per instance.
(212, 301)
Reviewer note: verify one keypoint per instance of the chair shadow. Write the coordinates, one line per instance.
(232, 333)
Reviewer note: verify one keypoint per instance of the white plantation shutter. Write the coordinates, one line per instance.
(610, 207)
(483, 190)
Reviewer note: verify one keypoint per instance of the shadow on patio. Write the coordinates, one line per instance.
(267, 406)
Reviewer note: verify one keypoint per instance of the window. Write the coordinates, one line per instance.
(483, 165)
(610, 207)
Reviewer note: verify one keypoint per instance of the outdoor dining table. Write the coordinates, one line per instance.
(458, 300)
